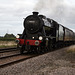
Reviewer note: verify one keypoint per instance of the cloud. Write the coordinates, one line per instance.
(14, 29)
(60, 10)
(12, 13)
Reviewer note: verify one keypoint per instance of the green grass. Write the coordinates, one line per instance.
(3, 46)
(7, 39)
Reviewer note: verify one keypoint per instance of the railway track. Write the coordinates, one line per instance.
(16, 58)
(7, 50)
(6, 61)
(12, 55)
(10, 58)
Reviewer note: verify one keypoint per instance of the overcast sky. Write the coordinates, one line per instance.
(12, 13)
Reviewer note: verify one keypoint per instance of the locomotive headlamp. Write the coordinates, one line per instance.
(33, 37)
(17, 36)
(40, 38)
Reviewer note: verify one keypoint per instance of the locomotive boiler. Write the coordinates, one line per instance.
(42, 34)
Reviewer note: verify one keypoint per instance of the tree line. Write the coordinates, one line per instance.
(8, 37)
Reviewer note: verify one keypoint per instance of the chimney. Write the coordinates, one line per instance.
(35, 13)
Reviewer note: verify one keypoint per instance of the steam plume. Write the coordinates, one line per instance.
(58, 10)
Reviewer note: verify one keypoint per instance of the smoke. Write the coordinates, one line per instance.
(58, 10)
(51, 8)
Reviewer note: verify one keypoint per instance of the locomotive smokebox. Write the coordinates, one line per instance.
(35, 13)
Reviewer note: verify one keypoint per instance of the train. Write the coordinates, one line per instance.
(42, 34)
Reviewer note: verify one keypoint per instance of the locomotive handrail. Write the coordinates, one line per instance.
(49, 37)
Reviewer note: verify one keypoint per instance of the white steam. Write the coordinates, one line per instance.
(58, 10)
(51, 8)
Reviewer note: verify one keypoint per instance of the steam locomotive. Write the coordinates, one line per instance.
(41, 34)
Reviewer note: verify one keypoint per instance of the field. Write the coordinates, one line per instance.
(6, 44)
(8, 40)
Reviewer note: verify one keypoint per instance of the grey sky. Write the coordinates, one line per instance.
(12, 13)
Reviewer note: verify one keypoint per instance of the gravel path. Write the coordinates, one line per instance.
(54, 63)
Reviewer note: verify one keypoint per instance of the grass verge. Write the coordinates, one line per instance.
(71, 49)
(4, 46)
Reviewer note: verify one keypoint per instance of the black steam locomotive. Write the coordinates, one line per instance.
(41, 33)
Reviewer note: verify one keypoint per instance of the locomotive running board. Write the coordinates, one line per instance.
(49, 37)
